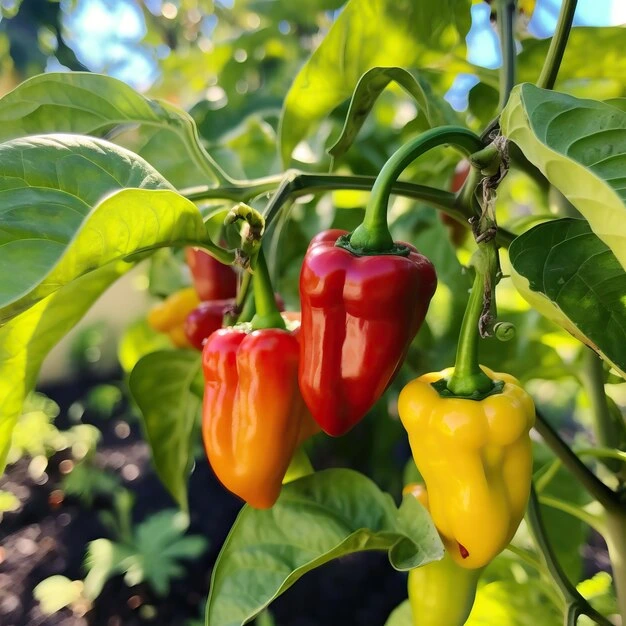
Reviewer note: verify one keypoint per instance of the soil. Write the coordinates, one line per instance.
(45, 537)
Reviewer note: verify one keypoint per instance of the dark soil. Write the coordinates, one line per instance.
(44, 537)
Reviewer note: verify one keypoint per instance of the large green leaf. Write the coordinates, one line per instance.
(570, 276)
(27, 339)
(316, 518)
(370, 34)
(64, 212)
(162, 385)
(580, 69)
(93, 104)
(434, 111)
(580, 147)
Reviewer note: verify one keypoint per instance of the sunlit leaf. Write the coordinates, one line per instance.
(580, 147)
(93, 104)
(578, 64)
(366, 35)
(56, 225)
(27, 339)
(316, 518)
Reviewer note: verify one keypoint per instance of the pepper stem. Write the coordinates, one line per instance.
(267, 313)
(468, 378)
(373, 235)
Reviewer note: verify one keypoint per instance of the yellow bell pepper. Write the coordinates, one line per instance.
(476, 459)
(169, 316)
(441, 593)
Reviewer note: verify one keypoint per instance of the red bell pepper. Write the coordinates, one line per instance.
(205, 319)
(208, 317)
(213, 280)
(359, 316)
(254, 416)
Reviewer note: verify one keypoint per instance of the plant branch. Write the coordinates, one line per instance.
(609, 428)
(570, 593)
(603, 494)
(295, 184)
(507, 10)
(551, 65)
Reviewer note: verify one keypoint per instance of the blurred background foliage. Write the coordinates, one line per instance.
(230, 64)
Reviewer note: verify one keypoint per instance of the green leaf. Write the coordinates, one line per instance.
(161, 384)
(56, 224)
(574, 279)
(316, 519)
(27, 339)
(401, 615)
(93, 104)
(370, 34)
(370, 86)
(580, 147)
(581, 69)
(57, 592)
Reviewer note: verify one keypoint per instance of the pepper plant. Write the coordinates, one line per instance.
(84, 199)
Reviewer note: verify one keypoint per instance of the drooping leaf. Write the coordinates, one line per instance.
(580, 147)
(71, 204)
(27, 339)
(316, 518)
(92, 104)
(366, 35)
(161, 384)
(436, 112)
(574, 279)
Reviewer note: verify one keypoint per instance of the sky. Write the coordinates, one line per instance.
(106, 35)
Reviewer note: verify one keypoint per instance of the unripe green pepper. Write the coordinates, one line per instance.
(441, 593)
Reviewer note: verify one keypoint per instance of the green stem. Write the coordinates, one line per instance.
(267, 313)
(609, 428)
(616, 542)
(507, 10)
(468, 377)
(603, 494)
(302, 184)
(570, 593)
(551, 65)
(240, 301)
(466, 199)
(373, 234)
